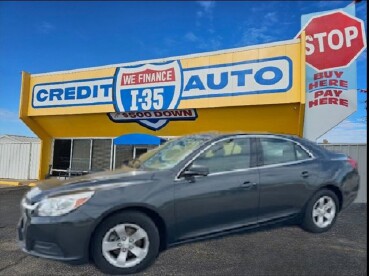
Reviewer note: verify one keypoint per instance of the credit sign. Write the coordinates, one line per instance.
(73, 93)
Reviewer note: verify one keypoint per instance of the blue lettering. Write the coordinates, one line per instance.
(40, 97)
(259, 76)
(106, 88)
(83, 92)
(70, 93)
(57, 93)
(95, 90)
(194, 83)
(223, 81)
(241, 76)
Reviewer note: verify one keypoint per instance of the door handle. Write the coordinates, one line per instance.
(248, 185)
(305, 174)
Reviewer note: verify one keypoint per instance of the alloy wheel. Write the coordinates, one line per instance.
(324, 211)
(125, 245)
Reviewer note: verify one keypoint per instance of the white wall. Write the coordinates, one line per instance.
(19, 160)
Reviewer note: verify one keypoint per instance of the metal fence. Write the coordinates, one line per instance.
(19, 160)
(357, 152)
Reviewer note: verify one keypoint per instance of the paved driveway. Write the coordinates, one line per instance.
(278, 251)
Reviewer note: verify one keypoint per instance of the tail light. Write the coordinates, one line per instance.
(352, 162)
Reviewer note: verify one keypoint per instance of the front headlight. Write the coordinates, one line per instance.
(60, 205)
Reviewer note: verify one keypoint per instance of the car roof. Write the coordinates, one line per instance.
(217, 135)
(224, 135)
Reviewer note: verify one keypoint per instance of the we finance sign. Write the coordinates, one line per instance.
(150, 94)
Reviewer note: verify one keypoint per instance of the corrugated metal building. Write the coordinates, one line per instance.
(19, 157)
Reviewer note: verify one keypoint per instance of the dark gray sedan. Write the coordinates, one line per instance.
(194, 187)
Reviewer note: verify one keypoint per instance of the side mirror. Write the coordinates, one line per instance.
(196, 170)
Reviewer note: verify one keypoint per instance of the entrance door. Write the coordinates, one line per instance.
(123, 154)
(61, 156)
(138, 151)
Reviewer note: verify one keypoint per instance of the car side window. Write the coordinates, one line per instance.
(277, 151)
(301, 154)
(227, 155)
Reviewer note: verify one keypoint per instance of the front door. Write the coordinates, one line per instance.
(224, 199)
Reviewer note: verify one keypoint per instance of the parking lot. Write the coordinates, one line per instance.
(271, 251)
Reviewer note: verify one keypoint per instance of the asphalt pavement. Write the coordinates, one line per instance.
(271, 251)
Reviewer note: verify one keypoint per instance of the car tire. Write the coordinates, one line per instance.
(119, 237)
(321, 212)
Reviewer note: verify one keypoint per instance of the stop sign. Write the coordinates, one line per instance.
(333, 40)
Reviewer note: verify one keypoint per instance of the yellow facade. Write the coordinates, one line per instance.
(280, 112)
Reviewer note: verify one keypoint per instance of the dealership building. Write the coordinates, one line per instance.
(96, 119)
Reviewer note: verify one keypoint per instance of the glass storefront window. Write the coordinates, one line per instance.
(75, 156)
(101, 154)
(81, 155)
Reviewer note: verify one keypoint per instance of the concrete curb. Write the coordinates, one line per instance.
(9, 183)
(17, 183)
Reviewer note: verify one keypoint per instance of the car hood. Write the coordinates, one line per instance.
(95, 181)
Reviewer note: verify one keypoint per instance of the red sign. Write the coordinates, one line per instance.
(148, 76)
(333, 40)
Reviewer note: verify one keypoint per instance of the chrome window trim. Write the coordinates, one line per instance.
(260, 167)
(285, 163)
(312, 157)
(232, 171)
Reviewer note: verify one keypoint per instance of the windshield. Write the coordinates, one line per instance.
(171, 153)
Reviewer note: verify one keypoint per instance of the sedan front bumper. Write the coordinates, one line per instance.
(64, 238)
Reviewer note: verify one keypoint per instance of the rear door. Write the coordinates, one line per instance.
(287, 174)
